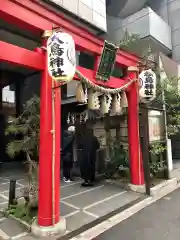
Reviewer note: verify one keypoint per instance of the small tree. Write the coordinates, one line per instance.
(25, 132)
(26, 129)
(172, 102)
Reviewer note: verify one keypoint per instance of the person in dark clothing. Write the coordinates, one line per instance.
(89, 145)
(67, 153)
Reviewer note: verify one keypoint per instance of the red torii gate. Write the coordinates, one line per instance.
(36, 17)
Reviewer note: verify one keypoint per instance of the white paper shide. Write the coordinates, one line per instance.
(61, 56)
(147, 92)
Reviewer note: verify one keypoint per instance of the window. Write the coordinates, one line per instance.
(86, 60)
(12, 87)
(64, 91)
(118, 71)
(8, 94)
(71, 88)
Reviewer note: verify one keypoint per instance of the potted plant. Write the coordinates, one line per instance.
(158, 166)
(118, 166)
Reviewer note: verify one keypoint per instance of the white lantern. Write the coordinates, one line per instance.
(61, 56)
(147, 90)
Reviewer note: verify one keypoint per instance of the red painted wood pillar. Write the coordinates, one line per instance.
(136, 166)
(96, 64)
(45, 198)
(57, 182)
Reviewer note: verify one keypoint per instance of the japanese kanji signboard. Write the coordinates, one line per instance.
(107, 61)
(61, 57)
(147, 90)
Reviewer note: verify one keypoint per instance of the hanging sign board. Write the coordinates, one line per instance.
(155, 119)
(107, 61)
(61, 56)
(147, 92)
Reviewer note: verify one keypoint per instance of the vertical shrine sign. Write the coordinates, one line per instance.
(147, 92)
(107, 61)
(61, 56)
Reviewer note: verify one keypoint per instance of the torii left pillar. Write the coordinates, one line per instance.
(45, 226)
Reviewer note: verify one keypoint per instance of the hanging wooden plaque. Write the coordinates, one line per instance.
(107, 61)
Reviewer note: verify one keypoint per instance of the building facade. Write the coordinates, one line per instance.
(89, 11)
(156, 22)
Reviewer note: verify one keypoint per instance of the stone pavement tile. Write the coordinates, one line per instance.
(15, 176)
(76, 221)
(1, 216)
(76, 181)
(71, 190)
(4, 187)
(2, 200)
(18, 192)
(23, 181)
(3, 180)
(98, 194)
(64, 184)
(28, 237)
(11, 227)
(113, 204)
(4, 205)
(65, 210)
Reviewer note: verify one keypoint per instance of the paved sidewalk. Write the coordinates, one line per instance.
(80, 206)
(159, 221)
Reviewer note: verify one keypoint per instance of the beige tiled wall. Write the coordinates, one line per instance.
(92, 11)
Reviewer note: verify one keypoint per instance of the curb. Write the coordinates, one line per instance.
(141, 189)
(166, 185)
(159, 192)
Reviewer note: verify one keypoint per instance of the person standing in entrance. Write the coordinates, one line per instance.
(89, 145)
(67, 153)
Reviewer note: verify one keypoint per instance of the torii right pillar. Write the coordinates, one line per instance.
(135, 156)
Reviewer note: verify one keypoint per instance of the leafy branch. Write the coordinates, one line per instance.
(25, 130)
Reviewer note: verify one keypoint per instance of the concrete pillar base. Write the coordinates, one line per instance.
(58, 229)
(137, 188)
